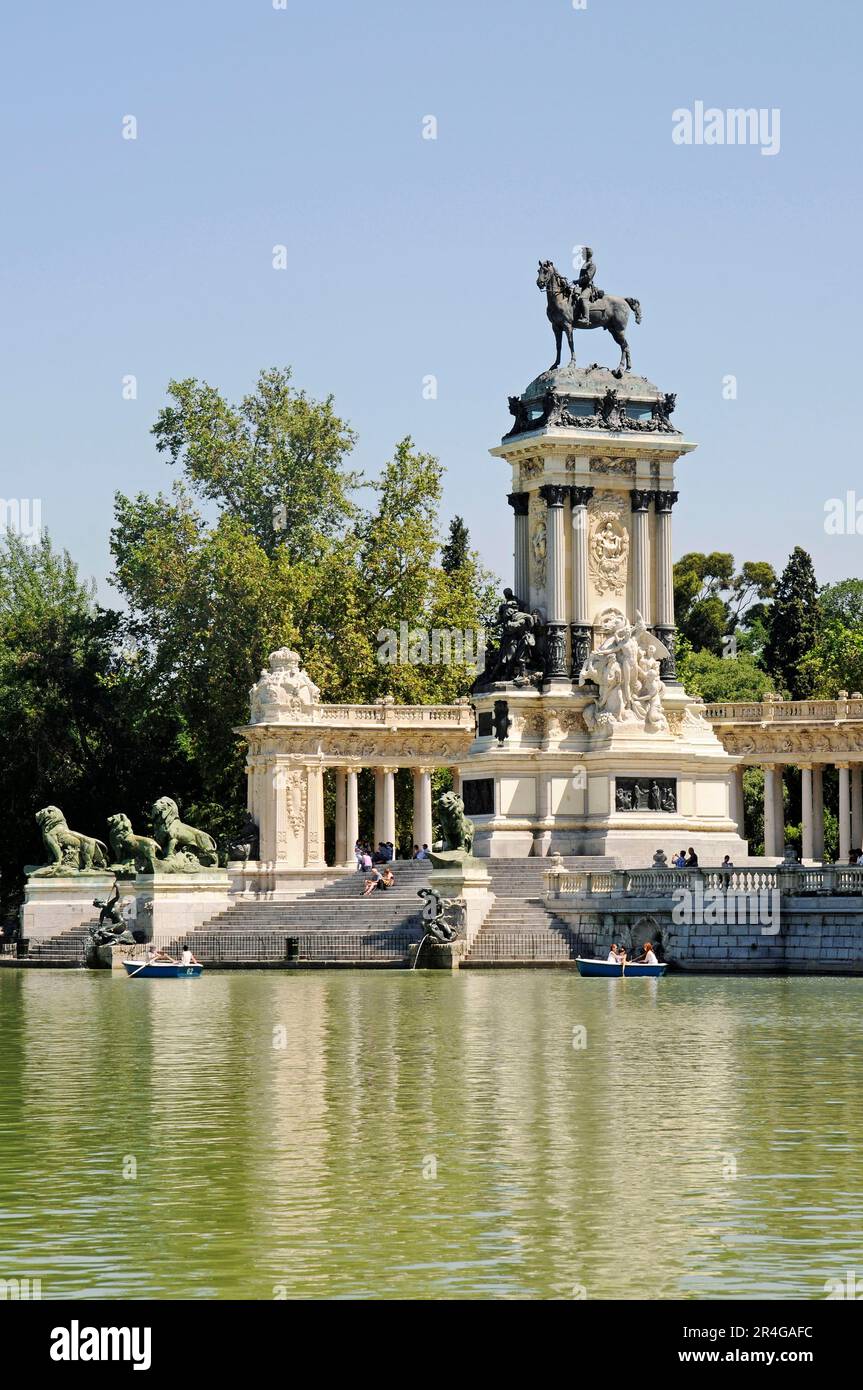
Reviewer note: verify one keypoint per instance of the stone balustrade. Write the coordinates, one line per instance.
(664, 883)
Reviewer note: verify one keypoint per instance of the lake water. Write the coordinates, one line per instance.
(383, 1135)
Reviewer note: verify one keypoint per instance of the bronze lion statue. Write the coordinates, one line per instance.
(70, 851)
(130, 850)
(173, 835)
(456, 826)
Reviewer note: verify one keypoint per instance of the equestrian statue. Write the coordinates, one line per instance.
(583, 305)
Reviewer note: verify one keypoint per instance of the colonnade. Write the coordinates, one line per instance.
(347, 817)
(652, 578)
(812, 807)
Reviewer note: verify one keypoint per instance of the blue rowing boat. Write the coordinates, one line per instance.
(160, 970)
(586, 966)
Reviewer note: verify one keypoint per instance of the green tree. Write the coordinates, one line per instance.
(275, 461)
(78, 726)
(712, 601)
(456, 550)
(212, 592)
(717, 678)
(794, 626)
(843, 603)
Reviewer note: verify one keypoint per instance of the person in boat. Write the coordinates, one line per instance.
(648, 955)
(616, 955)
(156, 954)
(187, 958)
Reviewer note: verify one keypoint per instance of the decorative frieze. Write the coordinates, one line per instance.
(645, 794)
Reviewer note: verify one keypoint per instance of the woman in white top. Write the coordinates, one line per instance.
(649, 957)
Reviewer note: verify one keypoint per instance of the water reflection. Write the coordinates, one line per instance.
(705, 1142)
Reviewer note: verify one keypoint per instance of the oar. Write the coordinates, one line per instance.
(133, 973)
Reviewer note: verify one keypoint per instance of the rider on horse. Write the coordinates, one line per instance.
(584, 291)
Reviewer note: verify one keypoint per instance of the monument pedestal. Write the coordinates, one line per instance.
(107, 957)
(54, 904)
(556, 786)
(467, 881)
(586, 742)
(173, 904)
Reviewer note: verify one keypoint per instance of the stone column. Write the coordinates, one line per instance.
(581, 634)
(341, 818)
(555, 585)
(769, 810)
(844, 812)
(779, 819)
(856, 807)
(806, 812)
(736, 809)
(379, 808)
(422, 806)
(456, 781)
(315, 816)
(521, 553)
(640, 501)
(352, 813)
(817, 811)
(389, 806)
(664, 620)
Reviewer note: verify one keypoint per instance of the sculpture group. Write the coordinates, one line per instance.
(625, 669)
(175, 849)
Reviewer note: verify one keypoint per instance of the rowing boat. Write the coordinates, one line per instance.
(160, 970)
(586, 966)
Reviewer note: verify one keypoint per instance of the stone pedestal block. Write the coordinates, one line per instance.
(172, 904)
(57, 904)
(467, 881)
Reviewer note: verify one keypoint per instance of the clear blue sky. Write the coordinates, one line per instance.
(409, 257)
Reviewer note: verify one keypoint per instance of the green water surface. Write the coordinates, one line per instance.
(509, 1134)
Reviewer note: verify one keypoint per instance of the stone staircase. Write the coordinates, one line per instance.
(520, 929)
(66, 947)
(334, 923)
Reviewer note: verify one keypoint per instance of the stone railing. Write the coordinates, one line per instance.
(382, 714)
(772, 710)
(663, 883)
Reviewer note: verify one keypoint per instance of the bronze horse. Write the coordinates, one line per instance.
(609, 311)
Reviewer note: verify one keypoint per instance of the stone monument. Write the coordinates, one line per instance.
(586, 743)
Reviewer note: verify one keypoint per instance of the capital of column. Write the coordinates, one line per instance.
(580, 496)
(519, 502)
(665, 500)
(640, 498)
(554, 494)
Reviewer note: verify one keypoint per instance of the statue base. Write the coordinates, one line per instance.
(61, 902)
(458, 875)
(107, 957)
(438, 955)
(173, 904)
(618, 791)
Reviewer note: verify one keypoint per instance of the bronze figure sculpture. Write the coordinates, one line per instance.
(582, 306)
